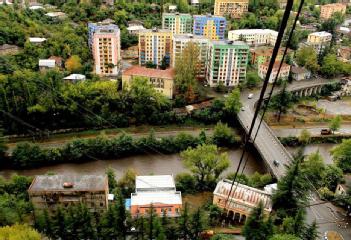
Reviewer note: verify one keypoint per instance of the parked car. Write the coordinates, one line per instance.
(250, 96)
(326, 131)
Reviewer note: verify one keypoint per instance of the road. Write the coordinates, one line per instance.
(315, 130)
(327, 216)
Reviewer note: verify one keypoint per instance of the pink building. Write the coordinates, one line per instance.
(106, 49)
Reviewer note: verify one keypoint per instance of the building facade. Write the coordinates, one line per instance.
(300, 73)
(241, 201)
(319, 40)
(51, 191)
(254, 37)
(232, 8)
(344, 54)
(94, 27)
(227, 62)
(177, 23)
(283, 74)
(161, 80)
(328, 10)
(154, 46)
(211, 27)
(264, 54)
(106, 49)
(181, 41)
(158, 192)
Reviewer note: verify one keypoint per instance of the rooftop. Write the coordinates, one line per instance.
(321, 34)
(156, 30)
(75, 77)
(154, 182)
(254, 31)
(55, 14)
(149, 72)
(36, 40)
(177, 14)
(244, 194)
(208, 16)
(298, 69)
(80, 183)
(228, 42)
(47, 63)
(135, 28)
(189, 36)
(147, 198)
(276, 64)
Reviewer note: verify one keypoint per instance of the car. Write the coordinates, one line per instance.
(276, 163)
(326, 131)
(242, 109)
(250, 96)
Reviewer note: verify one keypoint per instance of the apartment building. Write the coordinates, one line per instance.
(181, 41)
(241, 201)
(263, 54)
(50, 191)
(211, 27)
(319, 40)
(254, 37)
(106, 49)
(344, 53)
(161, 80)
(154, 46)
(328, 10)
(232, 8)
(104, 25)
(178, 23)
(227, 62)
(283, 74)
(158, 192)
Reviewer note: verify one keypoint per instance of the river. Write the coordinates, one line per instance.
(143, 164)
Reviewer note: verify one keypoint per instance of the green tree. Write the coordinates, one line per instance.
(19, 231)
(186, 68)
(127, 182)
(233, 103)
(335, 123)
(307, 57)
(313, 168)
(185, 183)
(305, 137)
(3, 147)
(206, 163)
(256, 227)
(112, 183)
(184, 223)
(223, 135)
(222, 237)
(282, 101)
(252, 79)
(332, 175)
(342, 155)
(73, 64)
(197, 224)
(311, 232)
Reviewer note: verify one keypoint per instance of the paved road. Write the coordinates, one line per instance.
(282, 131)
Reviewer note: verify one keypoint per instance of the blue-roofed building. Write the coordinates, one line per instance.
(105, 25)
(212, 27)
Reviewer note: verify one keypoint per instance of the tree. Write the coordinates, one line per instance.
(311, 232)
(184, 227)
(256, 227)
(206, 163)
(19, 231)
(284, 237)
(312, 169)
(282, 101)
(342, 155)
(73, 64)
(233, 103)
(197, 224)
(335, 123)
(127, 182)
(185, 183)
(3, 147)
(112, 183)
(186, 68)
(252, 79)
(223, 135)
(331, 176)
(307, 57)
(305, 137)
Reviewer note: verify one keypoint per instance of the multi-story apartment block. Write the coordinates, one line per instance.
(212, 27)
(254, 36)
(328, 10)
(283, 74)
(50, 191)
(161, 80)
(106, 49)
(104, 25)
(154, 46)
(177, 23)
(227, 62)
(181, 41)
(232, 8)
(319, 40)
(158, 192)
(242, 201)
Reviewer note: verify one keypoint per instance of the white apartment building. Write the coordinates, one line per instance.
(181, 41)
(254, 36)
(319, 40)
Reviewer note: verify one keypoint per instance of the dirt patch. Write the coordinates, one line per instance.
(197, 200)
(331, 235)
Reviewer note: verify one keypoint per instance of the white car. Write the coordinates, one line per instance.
(250, 96)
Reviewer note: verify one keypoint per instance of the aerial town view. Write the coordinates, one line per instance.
(175, 119)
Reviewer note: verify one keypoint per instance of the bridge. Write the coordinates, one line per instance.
(267, 144)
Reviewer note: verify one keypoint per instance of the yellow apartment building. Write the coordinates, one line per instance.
(329, 9)
(232, 8)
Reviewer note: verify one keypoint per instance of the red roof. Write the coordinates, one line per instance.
(149, 72)
(276, 64)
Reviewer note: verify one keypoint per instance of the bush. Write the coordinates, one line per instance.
(223, 135)
(326, 194)
(185, 182)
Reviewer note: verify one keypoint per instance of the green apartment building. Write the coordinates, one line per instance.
(227, 62)
(178, 23)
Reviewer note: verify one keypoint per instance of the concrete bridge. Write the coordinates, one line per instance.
(267, 144)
